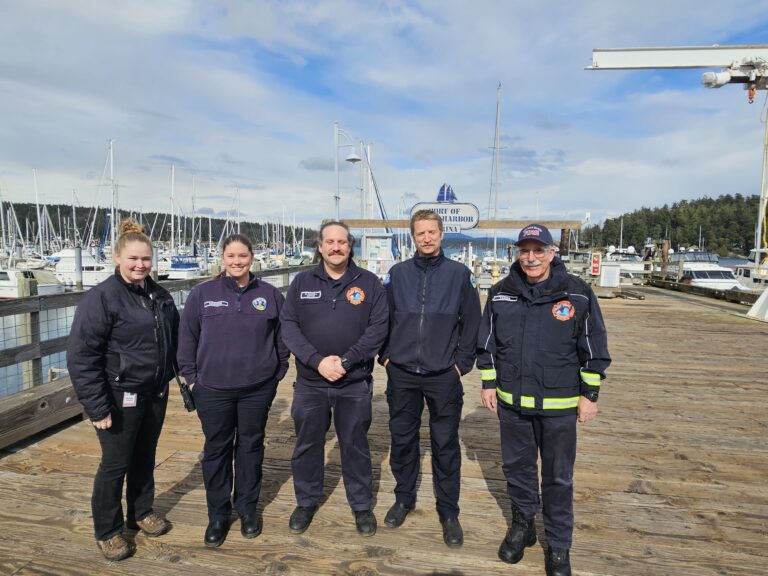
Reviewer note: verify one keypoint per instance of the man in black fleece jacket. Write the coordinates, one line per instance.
(434, 316)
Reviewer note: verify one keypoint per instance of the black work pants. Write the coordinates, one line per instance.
(233, 423)
(127, 456)
(444, 395)
(523, 437)
(312, 409)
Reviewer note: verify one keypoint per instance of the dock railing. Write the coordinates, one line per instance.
(35, 391)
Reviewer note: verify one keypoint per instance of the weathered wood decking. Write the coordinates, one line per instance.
(671, 479)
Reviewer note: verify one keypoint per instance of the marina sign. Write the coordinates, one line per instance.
(456, 216)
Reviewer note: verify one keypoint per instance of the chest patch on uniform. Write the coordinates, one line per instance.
(355, 295)
(215, 303)
(563, 310)
(260, 304)
(310, 295)
(504, 298)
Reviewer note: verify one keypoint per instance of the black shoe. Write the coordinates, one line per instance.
(250, 525)
(216, 533)
(396, 515)
(301, 518)
(453, 535)
(521, 534)
(558, 562)
(365, 522)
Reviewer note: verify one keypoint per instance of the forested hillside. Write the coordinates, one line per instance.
(156, 224)
(727, 225)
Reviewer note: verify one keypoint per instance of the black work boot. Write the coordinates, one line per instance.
(558, 562)
(215, 533)
(396, 515)
(453, 535)
(365, 522)
(521, 534)
(301, 518)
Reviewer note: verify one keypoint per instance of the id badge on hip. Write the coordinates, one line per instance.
(129, 399)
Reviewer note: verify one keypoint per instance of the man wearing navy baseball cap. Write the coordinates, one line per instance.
(542, 355)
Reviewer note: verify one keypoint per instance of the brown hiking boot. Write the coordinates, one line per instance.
(116, 548)
(151, 525)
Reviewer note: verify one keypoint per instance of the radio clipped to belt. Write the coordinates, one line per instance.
(186, 395)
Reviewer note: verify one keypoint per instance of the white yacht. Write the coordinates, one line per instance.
(14, 283)
(699, 268)
(94, 272)
(184, 267)
(754, 274)
(631, 266)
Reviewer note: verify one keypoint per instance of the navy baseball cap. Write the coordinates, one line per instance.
(537, 232)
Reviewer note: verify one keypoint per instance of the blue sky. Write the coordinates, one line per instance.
(243, 96)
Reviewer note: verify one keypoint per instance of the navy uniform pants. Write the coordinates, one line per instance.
(127, 454)
(444, 395)
(523, 438)
(233, 423)
(312, 410)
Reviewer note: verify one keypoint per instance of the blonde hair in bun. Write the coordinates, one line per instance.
(130, 225)
(131, 231)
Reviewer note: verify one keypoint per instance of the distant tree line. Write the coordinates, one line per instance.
(158, 224)
(726, 225)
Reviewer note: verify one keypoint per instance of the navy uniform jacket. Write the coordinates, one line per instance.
(325, 317)
(541, 348)
(434, 312)
(229, 338)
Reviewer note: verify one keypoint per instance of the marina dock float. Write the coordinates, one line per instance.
(672, 478)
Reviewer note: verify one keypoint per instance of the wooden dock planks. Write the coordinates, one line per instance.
(671, 478)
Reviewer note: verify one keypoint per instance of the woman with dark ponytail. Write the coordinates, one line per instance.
(121, 355)
(232, 357)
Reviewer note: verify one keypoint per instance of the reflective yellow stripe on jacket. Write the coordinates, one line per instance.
(505, 397)
(530, 401)
(489, 374)
(561, 403)
(590, 378)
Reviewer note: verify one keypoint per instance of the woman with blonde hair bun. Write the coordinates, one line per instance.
(121, 356)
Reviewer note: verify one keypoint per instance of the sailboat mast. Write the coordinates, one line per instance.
(114, 195)
(2, 222)
(195, 231)
(74, 220)
(173, 204)
(761, 243)
(238, 210)
(37, 209)
(496, 167)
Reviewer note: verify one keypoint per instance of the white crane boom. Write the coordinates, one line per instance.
(751, 56)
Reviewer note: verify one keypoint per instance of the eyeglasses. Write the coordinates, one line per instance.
(538, 252)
